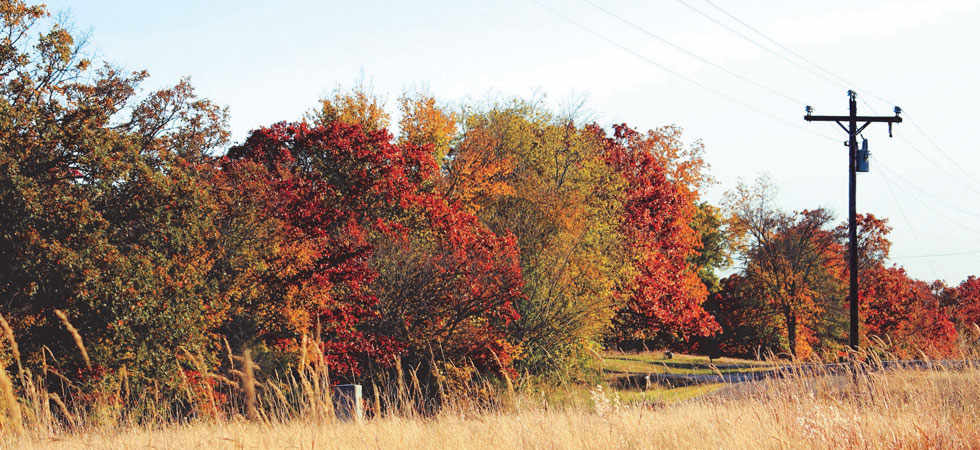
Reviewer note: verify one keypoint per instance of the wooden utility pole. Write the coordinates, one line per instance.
(853, 130)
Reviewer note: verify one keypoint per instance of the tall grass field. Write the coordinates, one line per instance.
(809, 407)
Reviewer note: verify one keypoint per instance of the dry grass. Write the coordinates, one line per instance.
(902, 409)
(810, 408)
(75, 335)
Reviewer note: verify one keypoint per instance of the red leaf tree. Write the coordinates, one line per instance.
(663, 302)
(382, 266)
(966, 302)
(328, 186)
(907, 315)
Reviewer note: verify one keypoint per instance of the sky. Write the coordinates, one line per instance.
(743, 98)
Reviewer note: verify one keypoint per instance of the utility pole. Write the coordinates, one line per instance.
(852, 131)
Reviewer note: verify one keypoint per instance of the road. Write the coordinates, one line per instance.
(727, 374)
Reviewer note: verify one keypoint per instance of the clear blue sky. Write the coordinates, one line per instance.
(271, 61)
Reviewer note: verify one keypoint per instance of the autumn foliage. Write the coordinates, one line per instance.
(499, 237)
(384, 266)
(794, 271)
(663, 301)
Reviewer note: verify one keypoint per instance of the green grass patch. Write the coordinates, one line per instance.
(615, 366)
(656, 362)
(667, 396)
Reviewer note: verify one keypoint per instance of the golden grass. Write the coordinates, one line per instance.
(813, 407)
(249, 381)
(14, 421)
(75, 335)
(904, 409)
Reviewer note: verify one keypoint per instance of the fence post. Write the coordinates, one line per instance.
(348, 404)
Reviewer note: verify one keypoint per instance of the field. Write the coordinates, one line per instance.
(894, 409)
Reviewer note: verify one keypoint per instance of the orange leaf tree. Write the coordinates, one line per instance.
(792, 263)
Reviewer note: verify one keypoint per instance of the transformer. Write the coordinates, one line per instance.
(863, 157)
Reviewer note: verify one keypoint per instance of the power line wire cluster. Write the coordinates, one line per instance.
(908, 222)
(762, 86)
(680, 75)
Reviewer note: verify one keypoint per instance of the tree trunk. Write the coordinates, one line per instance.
(791, 333)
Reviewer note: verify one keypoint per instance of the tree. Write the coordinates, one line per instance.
(746, 328)
(885, 294)
(382, 265)
(873, 243)
(448, 289)
(966, 306)
(333, 186)
(715, 251)
(546, 181)
(887, 303)
(791, 261)
(663, 301)
(107, 214)
(358, 106)
(932, 330)
(907, 315)
(425, 124)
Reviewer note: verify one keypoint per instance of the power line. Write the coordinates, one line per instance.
(759, 111)
(971, 252)
(790, 51)
(934, 144)
(872, 108)
(841, 79)
(930, 208)
(693, 55)
(938, 199)
(907, 222)
(764, 47)
(678, 74)
(924, 155)
(936, 165)
(838, 80)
